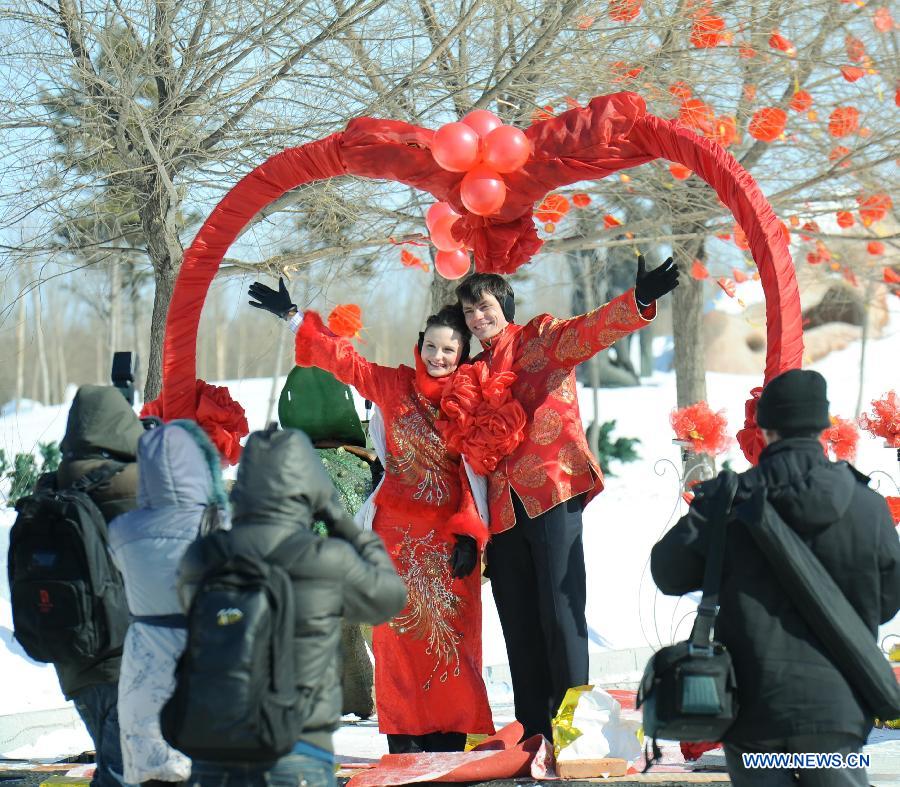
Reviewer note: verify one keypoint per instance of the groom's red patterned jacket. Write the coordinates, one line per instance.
(553, 463)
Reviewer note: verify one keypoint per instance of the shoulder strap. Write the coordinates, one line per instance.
(702, 633)
(97, 477)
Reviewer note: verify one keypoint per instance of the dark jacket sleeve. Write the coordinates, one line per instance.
(190, 571)
(373, 592)
(888, 563)
(678, 559)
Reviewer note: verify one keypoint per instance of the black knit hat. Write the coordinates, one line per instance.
(794, 401)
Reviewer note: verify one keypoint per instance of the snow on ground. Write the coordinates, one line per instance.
(638, 505)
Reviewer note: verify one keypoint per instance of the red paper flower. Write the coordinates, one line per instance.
(852, 73)
(856, 49)
(346, 320)
(610, 221)
(410, 260)
(706, 31)
(750, 438)
(874, 208)
(844, 219)
(884, 420)
(875, 247)
(840, 439)
(727, 286)
(699, 271)
(779, 42)
(624, 10)
(481, 418)
(701, 427)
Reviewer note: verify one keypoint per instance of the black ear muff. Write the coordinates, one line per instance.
(508, 307)
(421, 340)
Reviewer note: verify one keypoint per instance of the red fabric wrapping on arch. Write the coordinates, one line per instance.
(610, 134)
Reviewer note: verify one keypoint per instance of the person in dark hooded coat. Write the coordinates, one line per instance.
(792, 697)
(101, 429)
(282, 489)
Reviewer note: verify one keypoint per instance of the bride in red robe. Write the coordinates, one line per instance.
(429, 689)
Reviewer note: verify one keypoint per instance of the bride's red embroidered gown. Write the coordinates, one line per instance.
(427, 659)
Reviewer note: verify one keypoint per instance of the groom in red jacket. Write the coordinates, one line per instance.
(537, 492)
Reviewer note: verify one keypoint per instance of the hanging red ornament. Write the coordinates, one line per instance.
(883, 20)
(852, 73)
(874, 208)
(552, 209)
(856, 49)
(610, 221)
(437, 211)
(624, 10)
(482, 191)
(779, 42)
(698, 425)
(699, 271)
(740, 239)
(581, 200)
(727, 286)
(706, 32)
(739, 276)
(410, 260)
(452, 264)
(482, 122)
(844, 219)
(843, 121)
(767, 124)
(506, 149)
(875, 247)
(680, 90)
(455, 147)
(442, 234)
(801, 102)
(679, 171)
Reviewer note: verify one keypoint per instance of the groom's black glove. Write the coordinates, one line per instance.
(651, 285)
(279, 303)
(464, 557)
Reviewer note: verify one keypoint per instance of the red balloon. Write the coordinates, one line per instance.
(455, 147)
(482, 191)
(506, 149)
(438, 211)
(442, 236)
(452, 264)
(482, 121)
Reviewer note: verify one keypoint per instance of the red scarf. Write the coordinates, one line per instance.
(432, 388)
(499, 350)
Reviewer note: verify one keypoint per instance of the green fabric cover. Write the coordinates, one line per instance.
(315, 402)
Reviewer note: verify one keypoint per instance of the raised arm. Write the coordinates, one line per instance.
(570, 342)
(316, 345)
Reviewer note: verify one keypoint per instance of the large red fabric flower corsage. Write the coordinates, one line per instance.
(481, 418)
(218, 414)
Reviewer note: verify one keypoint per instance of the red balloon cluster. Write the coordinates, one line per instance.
(482, 147)
(452, 260)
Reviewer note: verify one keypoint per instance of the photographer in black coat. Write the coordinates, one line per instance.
(792, 697)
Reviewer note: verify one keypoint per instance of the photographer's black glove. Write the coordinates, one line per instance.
(651, 285)
(464, 557)
(279, 303)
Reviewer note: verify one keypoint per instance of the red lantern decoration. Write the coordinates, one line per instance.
(553, 208)
(890, 276)
(706, 32)
(346, 320)
(506, 149)
(874, 208)
(767, 124)
(455, 147)
(852, 73)
(801, 102)
(844, 219)
(724, 130)
(739, 276)
(438, 211)
(581, 200)
(696, 114)
(875, 247)
(856, 49)
(482, 122)
(482, 191)
(740, 239)
(442, 234)
(843, 121)
(699, 271)
(779, 42)
(883, 20)
(839, 152)
(679, 171)
(610, 221)
(452, 264)
(680, 90)
(746, 51)
(410, 260)
(727, 286)
(624, 10)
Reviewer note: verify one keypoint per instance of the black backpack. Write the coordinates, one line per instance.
(236, 696)
(68, 598)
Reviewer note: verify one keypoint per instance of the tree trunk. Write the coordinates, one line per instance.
(162, 296)
(867, 296)
(443, 291)
(62, 375)
(115, 307)
(690, 364)
(159, 219)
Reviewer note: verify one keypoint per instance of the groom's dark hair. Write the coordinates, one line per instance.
(473, 288)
